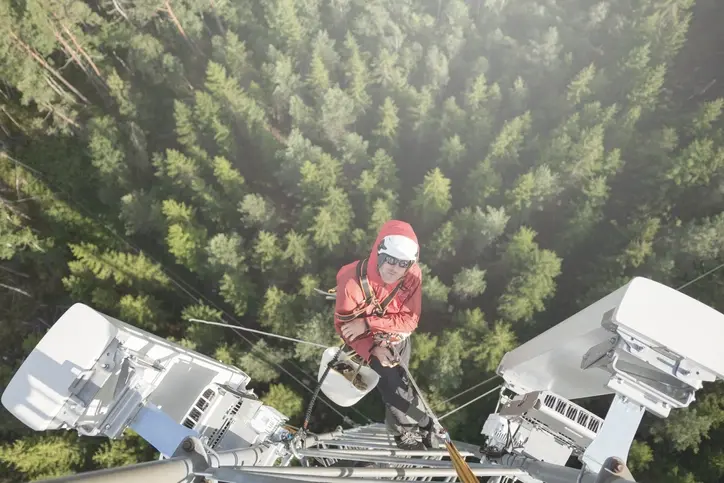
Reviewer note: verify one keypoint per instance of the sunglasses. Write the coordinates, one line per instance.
(394, 261)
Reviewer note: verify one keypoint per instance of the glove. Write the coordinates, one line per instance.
(385, 356)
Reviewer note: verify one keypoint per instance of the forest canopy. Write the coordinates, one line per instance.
(162, 160)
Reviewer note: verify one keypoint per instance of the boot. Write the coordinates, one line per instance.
(430, 438)
(409, 441)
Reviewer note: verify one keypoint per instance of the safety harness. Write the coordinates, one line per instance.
(461, 467)
(370, 300)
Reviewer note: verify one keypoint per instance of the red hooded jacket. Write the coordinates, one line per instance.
(402, 313)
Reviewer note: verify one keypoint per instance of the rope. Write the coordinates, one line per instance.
(701, 276)
(308, 415)
(471, 388)
(461, 467)
(470, 402)
(246, 329)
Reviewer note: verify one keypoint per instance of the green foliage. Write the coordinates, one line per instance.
(297, 249)
(494, 345)
(123, 268)
(315, 327)
(277, 314)
(237, 153)
(388, 123)
(257, 211)
(432, 198)
(444, 371)
(425, 348)
(533, 282)
(260, 360)
(226, 251)
(122, 452)
(237, 290)
(143, 311)
(42, 457)
(469, 282)
(285, 400)
(185, 239)
(266, 250)
(685, 429)
(640, 457)
(434, 291)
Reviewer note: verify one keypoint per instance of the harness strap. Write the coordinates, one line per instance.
(379, 308)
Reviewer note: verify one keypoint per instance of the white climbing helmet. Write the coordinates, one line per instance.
(398, 246)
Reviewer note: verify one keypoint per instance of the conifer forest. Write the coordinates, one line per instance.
(162, 160)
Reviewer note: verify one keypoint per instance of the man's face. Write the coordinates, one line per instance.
(391, 271)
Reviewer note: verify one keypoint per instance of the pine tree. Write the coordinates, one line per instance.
(386, 129)
(445, 371)
(256, 211)
(533, 277)
(444, 243)
(277, 313)
(357, 74)
(283, 81)
(186, 240)
(469, 282)
(261, 361)
(499, 340)
(434, 292)
(532, 190)
(123, 268)
(317, 327)
(432, 198)
(318, 78)
(42, 457)
(231, 181)
(237, 290)
(332, 220)
(337, 113)
(452, 152)
(297, 249)
(283, 20)
(285, 400)
(143, 311)
(204, 337)
(226, 251)
(267, 252)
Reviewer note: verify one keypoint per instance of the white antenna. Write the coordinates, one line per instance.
(650, 346)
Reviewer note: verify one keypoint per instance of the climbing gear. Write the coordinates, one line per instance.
(370, 300)
(461, 467)
(387, 339)
(348, 380)
(429, 436)
(408, 441)
(319, 386)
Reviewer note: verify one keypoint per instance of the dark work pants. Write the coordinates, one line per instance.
(404, 409)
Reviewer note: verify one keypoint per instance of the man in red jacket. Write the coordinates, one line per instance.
(378, 307)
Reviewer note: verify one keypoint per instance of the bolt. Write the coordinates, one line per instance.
(617, 467)
(187, 445)
(107, 426)
(105, 366)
